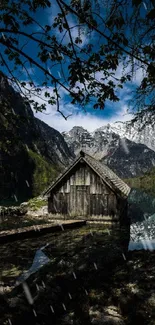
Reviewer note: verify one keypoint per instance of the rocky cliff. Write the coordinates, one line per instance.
(127, 158)
(141, 130)
(31, 152)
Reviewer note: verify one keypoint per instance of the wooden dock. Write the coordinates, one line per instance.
(38, 230)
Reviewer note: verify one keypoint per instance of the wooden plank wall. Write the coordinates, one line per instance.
(83, 193)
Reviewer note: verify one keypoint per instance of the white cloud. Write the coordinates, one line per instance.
(75, 30)
(138, 73)
(78, 117)
(86, 120)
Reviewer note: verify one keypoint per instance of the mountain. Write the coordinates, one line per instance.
(79, 137)
(31, 152)
(141, 130)
(127, 158)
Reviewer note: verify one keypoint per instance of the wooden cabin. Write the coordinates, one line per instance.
(88, 190)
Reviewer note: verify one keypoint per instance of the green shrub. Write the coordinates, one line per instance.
(44, 173)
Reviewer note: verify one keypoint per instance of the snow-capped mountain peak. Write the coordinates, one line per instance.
(129, 148)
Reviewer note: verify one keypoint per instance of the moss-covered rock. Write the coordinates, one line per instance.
(36, 203)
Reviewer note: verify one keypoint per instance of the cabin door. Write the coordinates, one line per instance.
(79, 200)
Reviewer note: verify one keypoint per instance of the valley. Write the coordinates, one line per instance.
(85, 265)
(32, 153)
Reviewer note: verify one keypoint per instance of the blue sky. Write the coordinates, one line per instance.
(88, 118)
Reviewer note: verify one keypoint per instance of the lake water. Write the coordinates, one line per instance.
(143, 244)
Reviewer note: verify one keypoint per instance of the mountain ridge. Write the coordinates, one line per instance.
(140, 130)
(112, 145)
(31, 152)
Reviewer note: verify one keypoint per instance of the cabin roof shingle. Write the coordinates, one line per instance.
(104, 172)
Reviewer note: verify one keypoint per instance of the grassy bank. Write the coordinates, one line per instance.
(35, 216)
(10, 223)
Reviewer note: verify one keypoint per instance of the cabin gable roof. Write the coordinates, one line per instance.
(116, 184)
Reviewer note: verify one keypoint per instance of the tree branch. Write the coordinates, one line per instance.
(58, 106)
(46, 72)
(68, 27)
(102, 34)
(13, 78)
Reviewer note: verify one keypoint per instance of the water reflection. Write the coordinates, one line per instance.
(142, 216)
(39, 261)
(143, 244)
(142, 235)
